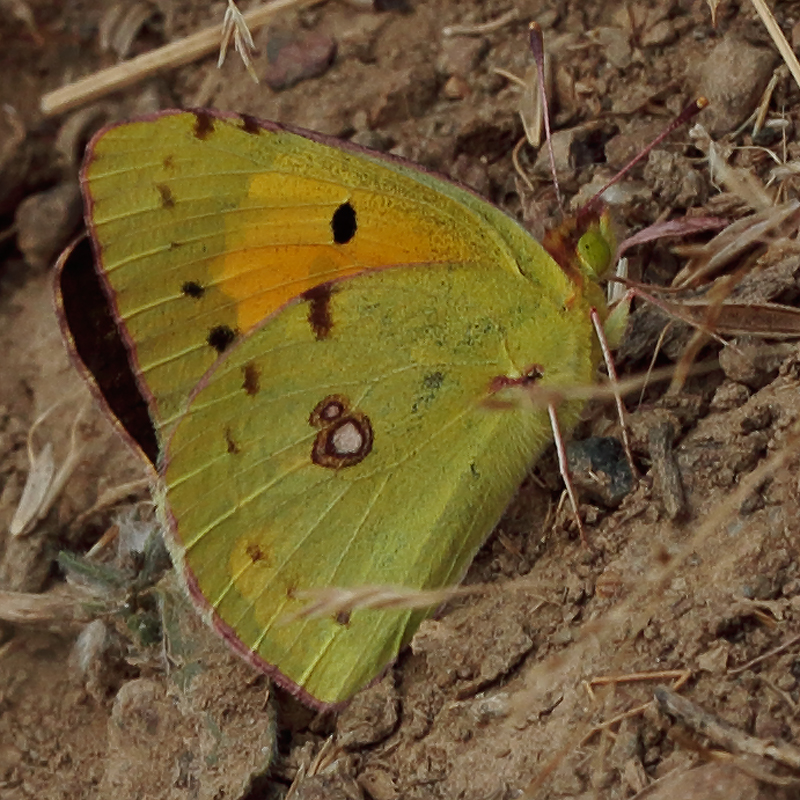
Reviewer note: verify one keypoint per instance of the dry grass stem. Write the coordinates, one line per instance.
(234, 26)
(64, 604)
(340, 600)
(608, 724)
(109, 498)
(44, 483)
(482, 28)
(172, 55)
(741, 182)
(764, 656)
(784, 48)
(680, 676)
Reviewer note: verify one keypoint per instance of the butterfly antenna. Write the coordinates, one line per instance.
(537, 48)
(692, 109)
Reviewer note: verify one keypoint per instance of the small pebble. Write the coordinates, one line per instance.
(460, 55)
(751, 362)
(733, 78)
(46, 221)
(292, 60)
(370, 717)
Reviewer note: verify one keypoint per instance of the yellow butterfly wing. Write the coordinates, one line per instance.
(324, 336)
(378, 455)
(206, 224)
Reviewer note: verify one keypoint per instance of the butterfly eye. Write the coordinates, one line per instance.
(594, 252)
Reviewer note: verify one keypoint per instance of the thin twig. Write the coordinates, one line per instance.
(722, 733)
(680, 676)
(758, 659)
(481, 28)
(172, 55)
(61, 605)
(784, 48)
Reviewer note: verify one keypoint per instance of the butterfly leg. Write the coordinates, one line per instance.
(563, 468)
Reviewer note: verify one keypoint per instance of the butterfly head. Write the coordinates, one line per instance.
(583, 245)
(596, 245)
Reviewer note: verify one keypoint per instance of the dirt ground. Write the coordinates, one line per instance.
(692, 580)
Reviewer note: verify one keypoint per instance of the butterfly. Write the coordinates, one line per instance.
(336, 353)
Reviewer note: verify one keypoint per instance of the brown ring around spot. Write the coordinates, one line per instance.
(344, 443)
(327, 411)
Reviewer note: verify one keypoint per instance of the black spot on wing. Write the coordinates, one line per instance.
(343, 224)
(221, 337)
(193, 289)
(433, 380)
(431, 383)
(319, 309)
(342, 618)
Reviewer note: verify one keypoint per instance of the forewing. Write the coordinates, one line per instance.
(203, 225)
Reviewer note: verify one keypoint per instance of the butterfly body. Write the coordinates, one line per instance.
(339, 353)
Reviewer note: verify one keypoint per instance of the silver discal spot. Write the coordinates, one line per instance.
(345, 436)
(347, 439)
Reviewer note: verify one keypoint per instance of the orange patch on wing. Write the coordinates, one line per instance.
(263, 279)
(280, 241)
